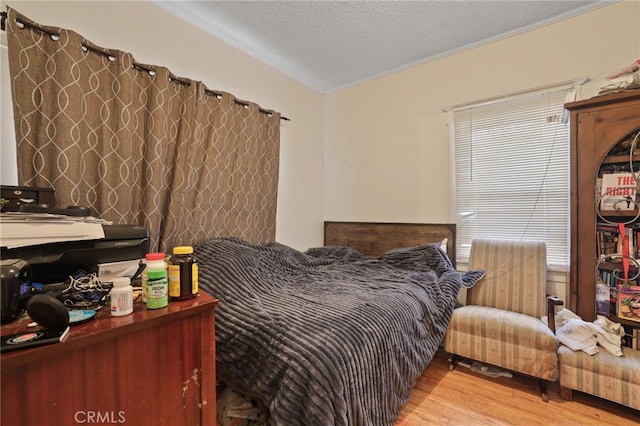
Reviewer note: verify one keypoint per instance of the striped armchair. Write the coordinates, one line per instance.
(500, 324)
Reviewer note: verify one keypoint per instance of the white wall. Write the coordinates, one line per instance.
(387, 153)
(8, 165)
(153, 36)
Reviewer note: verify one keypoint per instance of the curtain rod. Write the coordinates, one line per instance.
(242, 103)
(112, 57)
(3, 20)
(513, 95)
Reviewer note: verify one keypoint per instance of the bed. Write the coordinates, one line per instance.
(331, 336)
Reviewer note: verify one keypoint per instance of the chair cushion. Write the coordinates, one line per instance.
(603, 374)
(516, 277)
(506, 339)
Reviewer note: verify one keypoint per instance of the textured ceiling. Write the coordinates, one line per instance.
(332, 44)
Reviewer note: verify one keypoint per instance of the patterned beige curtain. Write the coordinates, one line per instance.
(138, 145)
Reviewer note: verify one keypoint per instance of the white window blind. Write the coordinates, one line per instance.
(512, 173)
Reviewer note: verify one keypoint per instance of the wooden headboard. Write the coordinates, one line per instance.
(373, 238)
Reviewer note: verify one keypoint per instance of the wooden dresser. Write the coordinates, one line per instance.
(153, 367)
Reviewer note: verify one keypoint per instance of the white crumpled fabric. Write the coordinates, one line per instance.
(580, 335)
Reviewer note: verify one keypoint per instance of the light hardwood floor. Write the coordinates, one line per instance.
(462, 397)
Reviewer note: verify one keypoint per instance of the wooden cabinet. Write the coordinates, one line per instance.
(153, 367)
(597, 125)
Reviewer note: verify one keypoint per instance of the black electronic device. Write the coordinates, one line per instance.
(48, 311)
(16, 273)
(77, 211)
(55, 262)
(30, 339)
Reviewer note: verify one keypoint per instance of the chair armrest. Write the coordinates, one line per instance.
(552, 302)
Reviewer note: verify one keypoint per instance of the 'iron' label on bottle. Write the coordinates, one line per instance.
(157, 293)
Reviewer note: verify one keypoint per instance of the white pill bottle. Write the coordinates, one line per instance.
(121, 297)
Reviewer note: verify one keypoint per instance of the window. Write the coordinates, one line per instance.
(512, 172)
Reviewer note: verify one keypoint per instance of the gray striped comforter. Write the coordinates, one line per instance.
(328, 336)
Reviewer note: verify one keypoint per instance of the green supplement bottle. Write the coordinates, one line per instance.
(151, 261)
(157, 288)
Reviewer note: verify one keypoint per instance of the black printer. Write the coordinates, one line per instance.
(55, 262)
